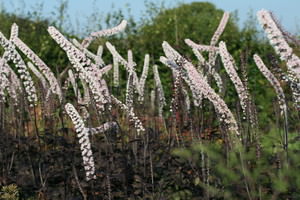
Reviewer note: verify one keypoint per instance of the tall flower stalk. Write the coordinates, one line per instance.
(197, 82)
(143, 78)
(279, 91)
(48, 74)
(11, 54)
(282, 48)
(160, 91)
(84, 141)
(87, 70)
(108, 32)
(130, 82)
(230, 67)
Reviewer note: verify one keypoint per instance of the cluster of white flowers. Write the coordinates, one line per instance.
(200, 47)
(98, 89)
(116, 72)
(14, 32)
(96, 58)
(15, 86)
(197, 82)
(144, 77)
(11, 54)
(211, 70)
(212, 49)
(132, 117)
(105, 69)
(73, 82)
(103, 128)
(230, 67)
(277, 40)
(76, 54)
(197, 96)
(160, 91)
(118, 58)
(108, 32)
(130, 82)
(282, 48)
(212, 56)
(4, 82)
(186, 99)
(215, 38)
(9, 82)
(152, 99)
(54, 86)
(176, 88)
(116, 55)
(84, 141)
(273, 81)
(37, 73)
(139, 83)
(87, 70)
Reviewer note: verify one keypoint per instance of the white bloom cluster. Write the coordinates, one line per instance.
(14, 32)
(98, 89)
(11, 54)
(96, 58)
(103, 128)
(72, 80)
(211, 70)
(212, 56)
(84, 141)
(4, 82)
(220, 29)
(54, 86)
(274, 82)
(76, 54)
(4, 85)
(230, 67)
(201, 47)
(82, 101)
(117, 56)
(105, 69)
(15, 86)
(160, 91)
(86, 93)
(197, 96)
(132, 117)
(144, 77)
(212, 49)
(130, 82)
(152, 99)
(36, 72)
(176, 87)
(125, 63)
(116, 72)
(87, 70)
(277, 40)
(108, 32)
(282, 48)
(197, 82)
(9, 82)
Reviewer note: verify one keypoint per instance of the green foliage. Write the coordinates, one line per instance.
(242, 173)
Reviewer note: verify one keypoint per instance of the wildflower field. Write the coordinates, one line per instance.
(210, 115)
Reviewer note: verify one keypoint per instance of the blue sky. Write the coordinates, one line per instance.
(287, 11)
